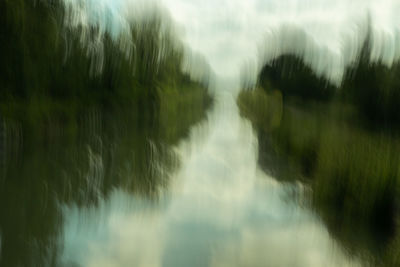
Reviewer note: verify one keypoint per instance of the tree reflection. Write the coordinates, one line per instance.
(83, 112)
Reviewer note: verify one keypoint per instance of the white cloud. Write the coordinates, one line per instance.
(228, 32)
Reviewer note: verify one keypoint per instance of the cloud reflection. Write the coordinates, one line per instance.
(221, 211)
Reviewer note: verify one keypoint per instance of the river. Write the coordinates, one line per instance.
(219, 210)
(120, 146)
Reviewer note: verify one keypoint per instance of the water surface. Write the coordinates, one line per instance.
(219, 209)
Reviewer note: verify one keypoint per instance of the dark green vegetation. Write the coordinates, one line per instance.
(47, 71)
(343, 142)
(75, 125)
(109, 150)
(374, 89)
(287, 72)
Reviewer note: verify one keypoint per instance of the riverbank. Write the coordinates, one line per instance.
(83, 112)
(354, 172)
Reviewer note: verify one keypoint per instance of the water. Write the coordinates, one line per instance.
(109, 158)
(220, 209)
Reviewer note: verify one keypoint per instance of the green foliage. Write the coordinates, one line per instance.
(353, 169)
(74, 125)
(354, 173)
(343, 142)
(292, 77)
(44, 58)
(186, 102)
(48, 74)
(374, 89)
(264, 109)
(48, 159)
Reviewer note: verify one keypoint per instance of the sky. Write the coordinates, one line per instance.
(231, 34)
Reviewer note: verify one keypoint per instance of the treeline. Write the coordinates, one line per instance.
(290, 75)
(43, 57)
(342, 141)
(371, 87)
(83, 112)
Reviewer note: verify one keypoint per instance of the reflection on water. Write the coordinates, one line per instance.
(220, 209)
(98, 166)
(352, 170)
(108, 151)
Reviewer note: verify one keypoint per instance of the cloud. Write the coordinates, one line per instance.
(229, 32)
